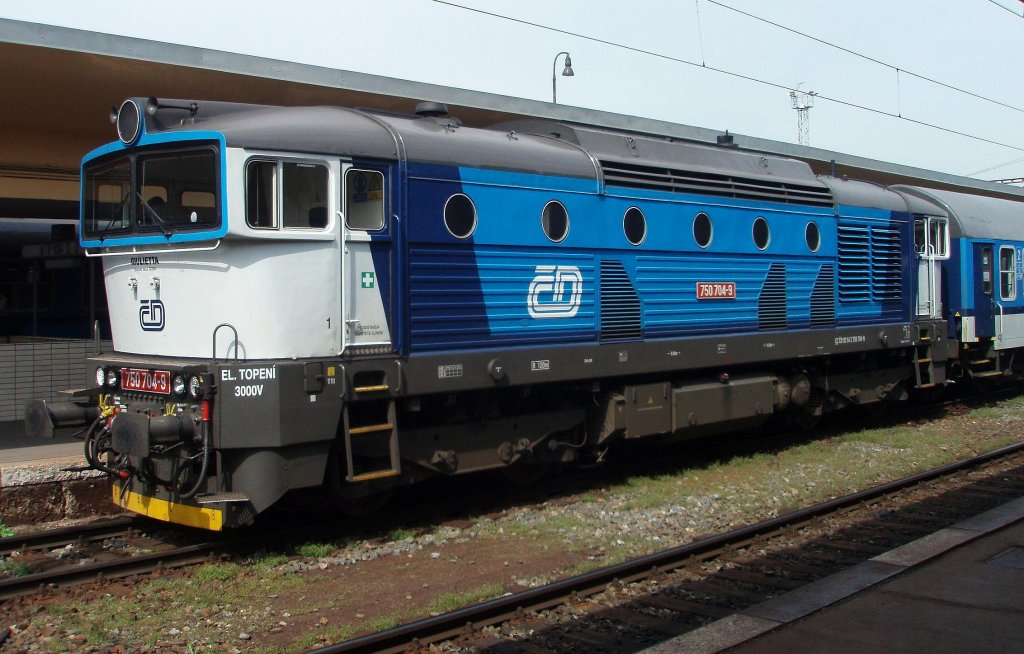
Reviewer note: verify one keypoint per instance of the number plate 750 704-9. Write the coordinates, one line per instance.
(147, 381)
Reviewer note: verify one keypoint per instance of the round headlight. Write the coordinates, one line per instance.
(178, 385)
(101, 376)
(129, 122)
(195, 387)
(112, 377)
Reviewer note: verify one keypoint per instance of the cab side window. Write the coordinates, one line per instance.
(364, 199)
(286, 194)
(304, 192)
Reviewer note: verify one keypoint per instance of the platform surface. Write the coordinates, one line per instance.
(958, 590)
(17, 447)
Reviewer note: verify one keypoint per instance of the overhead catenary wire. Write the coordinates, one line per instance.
(722, 71)
(895, 68)
(995, 167)
(1005, 8)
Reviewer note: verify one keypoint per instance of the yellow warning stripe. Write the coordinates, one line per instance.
(191, 516)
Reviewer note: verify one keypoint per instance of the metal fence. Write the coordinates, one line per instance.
(41, 368)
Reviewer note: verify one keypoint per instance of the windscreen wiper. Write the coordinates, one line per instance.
(157, 220)
(118, 218)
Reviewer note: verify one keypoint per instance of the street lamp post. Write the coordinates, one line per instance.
(567, 72)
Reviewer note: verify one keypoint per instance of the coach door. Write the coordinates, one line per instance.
(367, 259)
(931, 239)
(984, 289)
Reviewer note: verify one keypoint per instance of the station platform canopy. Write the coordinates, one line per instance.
(60, 83)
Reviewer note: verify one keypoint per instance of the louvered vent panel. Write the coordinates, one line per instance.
(771, 305)
(687, 181)
(885, 264)
(854, 264)
(620, 306)
(823, 298)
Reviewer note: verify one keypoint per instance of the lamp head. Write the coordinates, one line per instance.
(568, 67)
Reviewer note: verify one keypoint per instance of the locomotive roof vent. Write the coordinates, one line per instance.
(726, 140)
(431, 109)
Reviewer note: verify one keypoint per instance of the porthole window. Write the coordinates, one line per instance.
(813, 237)
(460, 216)
(555, 221)
(702, 230)
(761, 233)
(635, 226)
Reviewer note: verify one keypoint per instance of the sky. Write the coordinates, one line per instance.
(631, 58)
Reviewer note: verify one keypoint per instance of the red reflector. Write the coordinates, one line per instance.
(124, 474)
(206, 411)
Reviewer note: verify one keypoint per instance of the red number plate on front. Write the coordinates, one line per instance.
(147, 381)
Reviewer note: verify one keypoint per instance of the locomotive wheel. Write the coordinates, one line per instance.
(353, 500)
(361, 505)
(524, 473)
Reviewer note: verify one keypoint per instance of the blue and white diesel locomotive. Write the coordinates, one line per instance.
(318, 295)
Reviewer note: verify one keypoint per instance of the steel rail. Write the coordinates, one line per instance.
(50, 538)
(136, 564)
(459, 621)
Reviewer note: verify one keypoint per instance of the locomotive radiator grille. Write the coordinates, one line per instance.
(771, 305)
(706, 183)
(869, 263)
(885, 264)
(823, 298)
(620, 305)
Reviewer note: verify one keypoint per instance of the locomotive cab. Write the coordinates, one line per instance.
(228, 267)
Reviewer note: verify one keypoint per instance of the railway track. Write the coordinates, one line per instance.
(79, 534)
(633, 605)
(100, 550)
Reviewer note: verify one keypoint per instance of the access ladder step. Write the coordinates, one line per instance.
(213, 498)
(924, 361)
(371, 389)
(370, 429)
(377, 474)
(988, 373)
(979, 362)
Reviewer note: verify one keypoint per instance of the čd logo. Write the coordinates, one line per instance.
(555, 292)
(151, 315)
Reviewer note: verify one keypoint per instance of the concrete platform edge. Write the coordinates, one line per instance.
(774, 613)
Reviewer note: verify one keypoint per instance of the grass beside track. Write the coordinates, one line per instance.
(211, 607)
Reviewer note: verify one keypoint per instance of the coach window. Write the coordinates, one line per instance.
(304, 195)
(1007, 273)
(555, 221)
(635, 226)
(364, 199)
(702, 230)
(986, 270)
(460, 216)
(762, 235)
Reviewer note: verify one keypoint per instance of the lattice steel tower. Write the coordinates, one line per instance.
(802, 102)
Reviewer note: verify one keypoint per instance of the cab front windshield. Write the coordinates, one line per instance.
(151, 193)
